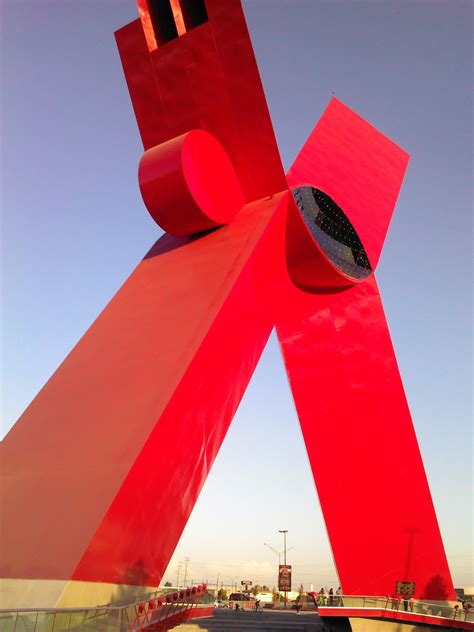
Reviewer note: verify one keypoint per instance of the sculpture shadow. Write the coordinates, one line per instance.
(134, 586)
(436, 590)
(168, 243)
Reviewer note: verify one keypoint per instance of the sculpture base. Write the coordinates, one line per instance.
(58, 593)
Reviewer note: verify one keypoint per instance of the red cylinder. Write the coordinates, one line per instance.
(189, 184)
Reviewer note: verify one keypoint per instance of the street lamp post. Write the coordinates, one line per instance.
(279, 553)
(275, 551)
(284, 531)
(177, 578)
(186, 562)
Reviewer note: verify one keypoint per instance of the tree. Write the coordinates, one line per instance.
(168, 584)
(276, 596)
(222, 594)
(302, 594)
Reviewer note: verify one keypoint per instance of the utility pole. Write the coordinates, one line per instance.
(284, 531)
(177, 578)
(186, 561)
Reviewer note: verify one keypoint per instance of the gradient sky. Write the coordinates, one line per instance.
(73, 226)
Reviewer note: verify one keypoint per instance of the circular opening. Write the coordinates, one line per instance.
(333, 232)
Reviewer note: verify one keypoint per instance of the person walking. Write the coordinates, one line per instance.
(331, 597)
(339, 597)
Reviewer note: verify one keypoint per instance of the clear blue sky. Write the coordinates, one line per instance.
(73, 227)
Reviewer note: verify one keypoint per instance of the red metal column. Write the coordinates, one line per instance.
(109, 458)
(361, 443)
(104, 467)
(344, 376)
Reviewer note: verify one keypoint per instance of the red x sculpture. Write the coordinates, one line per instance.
(104, 467)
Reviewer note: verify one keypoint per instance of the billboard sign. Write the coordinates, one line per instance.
(284, 578)
(405, 588)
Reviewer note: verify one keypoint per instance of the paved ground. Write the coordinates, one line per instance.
(266, 621)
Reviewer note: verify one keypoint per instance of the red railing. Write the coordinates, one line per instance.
(153, 613)
(158, 615)
(400, 609)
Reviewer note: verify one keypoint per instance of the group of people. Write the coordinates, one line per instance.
(329, 598)
(406, 599)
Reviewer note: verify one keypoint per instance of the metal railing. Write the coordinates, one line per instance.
(401, 604)
(158, 611)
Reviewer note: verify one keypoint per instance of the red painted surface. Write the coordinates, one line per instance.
(184, 182)
(104, 467)
(206, 79)
(120, 440)
(361, 443)
(344, 376)
(144, 12)
(185, 435)
(399, 615)
(200, 613)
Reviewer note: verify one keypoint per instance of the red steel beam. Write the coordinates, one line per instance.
(105, 465)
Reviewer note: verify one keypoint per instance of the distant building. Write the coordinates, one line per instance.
(265, 596)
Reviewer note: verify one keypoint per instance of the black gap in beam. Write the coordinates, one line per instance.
(194, 13)
(162, 20)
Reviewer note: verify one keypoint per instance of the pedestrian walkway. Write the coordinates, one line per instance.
(433, 615)
(266, 621)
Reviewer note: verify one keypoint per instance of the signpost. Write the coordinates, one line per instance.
(246, 583)
(284, 571)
